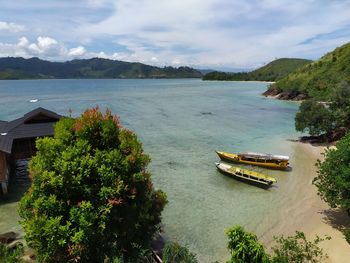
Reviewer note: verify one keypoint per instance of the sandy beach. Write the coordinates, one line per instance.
(306, 212)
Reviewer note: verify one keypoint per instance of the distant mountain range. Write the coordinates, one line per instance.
(318, 79)
(95, 68)
(272, 71)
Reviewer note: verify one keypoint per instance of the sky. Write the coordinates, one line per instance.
(214, 34)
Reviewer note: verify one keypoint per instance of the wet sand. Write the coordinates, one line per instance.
(305, 211)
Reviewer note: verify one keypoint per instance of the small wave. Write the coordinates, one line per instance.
(33, 100)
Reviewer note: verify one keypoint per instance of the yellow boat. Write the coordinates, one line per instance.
(264, 160)
(246, 175)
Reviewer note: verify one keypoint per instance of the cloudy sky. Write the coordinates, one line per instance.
(201, 33)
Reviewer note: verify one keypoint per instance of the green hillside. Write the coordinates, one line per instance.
(35, 68)
(272, 71)
(318, 79)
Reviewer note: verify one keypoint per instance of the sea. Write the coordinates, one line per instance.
(181, 122)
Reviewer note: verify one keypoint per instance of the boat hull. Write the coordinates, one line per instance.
(246, 176)
(236, 158)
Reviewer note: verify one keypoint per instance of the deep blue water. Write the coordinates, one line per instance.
(181, 123)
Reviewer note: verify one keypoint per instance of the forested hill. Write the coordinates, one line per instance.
(272, 71)
(35, 68)
(317, 80)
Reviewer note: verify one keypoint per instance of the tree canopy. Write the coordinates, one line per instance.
(326, 118)
(91, 197)
(313, 117)
(333, 179)
(244, 246)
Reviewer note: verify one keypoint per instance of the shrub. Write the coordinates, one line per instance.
(244, 246)
(174, 253)
(91, 197)
(10, 255)
(347, 235)
(297, 249)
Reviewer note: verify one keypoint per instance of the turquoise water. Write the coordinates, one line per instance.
(181, 123)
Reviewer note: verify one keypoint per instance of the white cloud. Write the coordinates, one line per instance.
(77, 51)
(11, 27)
(219, 32)
(50, 48)
(210, 33)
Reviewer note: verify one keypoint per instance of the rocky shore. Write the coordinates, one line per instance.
(284, 95)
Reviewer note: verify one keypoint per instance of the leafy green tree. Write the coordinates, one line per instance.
(340, 106)
(10, 255)
(174, 253)
(315, 118)
(91, 197)
(333, 179)
(297, 249)
(244, 246)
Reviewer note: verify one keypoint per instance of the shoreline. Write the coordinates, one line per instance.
(306, 212)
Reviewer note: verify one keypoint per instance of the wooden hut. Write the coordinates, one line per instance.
(17, 139)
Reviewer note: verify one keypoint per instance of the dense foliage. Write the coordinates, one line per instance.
(91, 197)
(174, 253)
(315, 118)
(273, 71)
(333, 179)
(320, 78)
(10, 255)
(34, 68)
(331, 120)
(347, 235)
(244, 246)
(297, 249)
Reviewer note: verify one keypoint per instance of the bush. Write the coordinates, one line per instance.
(314, 118)
(333, 179)
(10, 255)
(297, 249)
(244, 246)
(91, 197)
(174, 253)
(347, 235)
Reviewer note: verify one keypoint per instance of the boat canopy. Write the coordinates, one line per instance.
(265, 156)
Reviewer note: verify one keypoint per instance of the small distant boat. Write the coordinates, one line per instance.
(246, 175)
(34, 100)
(260, 159)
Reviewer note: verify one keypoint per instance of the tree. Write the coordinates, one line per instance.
(174, 253)
(297, 249)
(340, 106)
(333, 179)
(315, 118)
(91, 197)
(11, 255)
(244, 246)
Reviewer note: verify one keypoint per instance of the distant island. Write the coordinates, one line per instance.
(94, 68)
(272, 71)
(317, 80)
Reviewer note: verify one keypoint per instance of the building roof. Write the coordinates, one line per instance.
(36, 123)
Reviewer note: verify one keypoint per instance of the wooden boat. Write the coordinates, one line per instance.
(264, 160)
(246, 175)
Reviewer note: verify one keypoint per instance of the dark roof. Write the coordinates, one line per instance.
(36, 123)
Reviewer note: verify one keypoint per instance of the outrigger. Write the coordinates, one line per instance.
(246, 175)
(260, 159)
